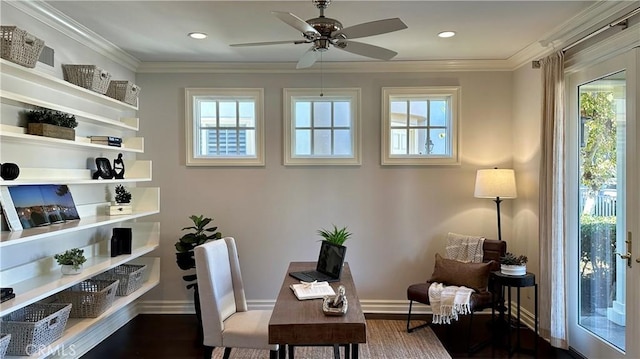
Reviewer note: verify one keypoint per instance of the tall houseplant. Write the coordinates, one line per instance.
(199, 234)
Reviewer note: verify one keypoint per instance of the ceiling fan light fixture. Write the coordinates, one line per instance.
(446, 34)
(197, 35)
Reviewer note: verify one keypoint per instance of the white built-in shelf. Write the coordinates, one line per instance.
(19, 134)
(57, 84)
(146, 202)
(123, 123)
(135, 171)
(76, 327)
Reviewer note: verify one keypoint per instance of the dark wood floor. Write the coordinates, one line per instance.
(174, 336)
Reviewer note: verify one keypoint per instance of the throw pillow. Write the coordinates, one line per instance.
(470, 275)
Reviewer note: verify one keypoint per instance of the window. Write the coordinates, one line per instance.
(224, 127)
(420, 125)
(322, 129)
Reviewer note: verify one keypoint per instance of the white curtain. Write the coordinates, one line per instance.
(553, 304)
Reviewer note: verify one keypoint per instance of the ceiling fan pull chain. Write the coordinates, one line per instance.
(321, 79)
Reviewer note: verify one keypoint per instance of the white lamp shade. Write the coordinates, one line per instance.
(495, 182)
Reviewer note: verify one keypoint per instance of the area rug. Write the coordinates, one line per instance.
(386, 339)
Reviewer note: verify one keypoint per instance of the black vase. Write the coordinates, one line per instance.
(9, 171)
(185, 260)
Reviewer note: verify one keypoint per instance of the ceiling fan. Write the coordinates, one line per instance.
(323, 32)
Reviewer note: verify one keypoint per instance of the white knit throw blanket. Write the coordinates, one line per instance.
(465, 248)
(447, 302)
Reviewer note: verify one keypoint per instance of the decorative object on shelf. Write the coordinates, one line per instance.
(104, 169)
(9, 171)
(19, 46)
(496, 183)
(335, 236)
(131, 277)
(121, 241)
(35, 326)
(106, 140)
(336, 305)
(71, 260)
(42, 205)
(124, 91)
(88, 76)
(7, 294)
(51, 123)
(122, 202)
(199, 234)
(118, 167)
(511, 264)
(123, 196)
(89, 298)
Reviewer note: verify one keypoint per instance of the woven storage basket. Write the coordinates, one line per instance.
(88, 76)
(131, 277)
(124, 91)
(35, 326)
(4, 344)
(89, 298)
(19, 46)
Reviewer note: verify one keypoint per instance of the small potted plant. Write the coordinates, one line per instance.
(511, 264)
(122, 201)
(335, 236)
(71, 261)
(51, 123)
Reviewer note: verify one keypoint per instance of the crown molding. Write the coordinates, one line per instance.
(52, 17)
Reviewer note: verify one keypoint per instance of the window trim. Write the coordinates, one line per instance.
(421, 160)
(190, 127)
(288, 128)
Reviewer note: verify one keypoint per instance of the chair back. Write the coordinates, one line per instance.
(492, 251)
(220, 286)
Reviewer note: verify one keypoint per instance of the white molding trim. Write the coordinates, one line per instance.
(51, 16)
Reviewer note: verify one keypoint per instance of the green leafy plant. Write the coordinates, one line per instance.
(52, 117)
(335, 236)
(199, 235)
(73, 257)
(511, 259)
(122, 195)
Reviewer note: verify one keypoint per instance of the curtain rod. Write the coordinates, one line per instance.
(621, 21)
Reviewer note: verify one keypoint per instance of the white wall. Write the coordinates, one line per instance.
(399, 215)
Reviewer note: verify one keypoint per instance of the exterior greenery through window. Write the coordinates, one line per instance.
(322, 129)
(420, 125)
(224, 127)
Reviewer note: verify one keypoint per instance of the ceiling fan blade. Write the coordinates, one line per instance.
(296, 22)
(371, 28)
(308, 59)
(367, 50)
(269, 43)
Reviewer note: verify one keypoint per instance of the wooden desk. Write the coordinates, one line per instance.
(302, 322)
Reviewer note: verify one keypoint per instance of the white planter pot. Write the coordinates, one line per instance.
(513, 269)
(68, 269)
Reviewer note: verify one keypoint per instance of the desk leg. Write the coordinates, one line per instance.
(354, 351)
(347, 351)
(282, 352)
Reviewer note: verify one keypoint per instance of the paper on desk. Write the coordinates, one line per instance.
(313, 290)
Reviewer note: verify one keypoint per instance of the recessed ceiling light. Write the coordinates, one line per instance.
(447, 34)
(197, 35)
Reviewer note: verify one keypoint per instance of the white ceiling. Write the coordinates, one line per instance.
(156, 31)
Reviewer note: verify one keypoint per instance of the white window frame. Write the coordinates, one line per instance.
(453, 94)
(191, 126)
(289, 97)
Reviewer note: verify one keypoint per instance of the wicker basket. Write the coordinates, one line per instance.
(124, 91)
(131, 277)
(4, 344)
(89, 298)
(35, 326)
(19, 46)
(88, 76)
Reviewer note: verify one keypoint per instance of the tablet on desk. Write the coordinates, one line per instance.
(329, 266)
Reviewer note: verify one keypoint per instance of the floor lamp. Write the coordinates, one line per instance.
(496, 183)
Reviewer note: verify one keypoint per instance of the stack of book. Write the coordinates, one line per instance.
(7, 293)
(106, 140)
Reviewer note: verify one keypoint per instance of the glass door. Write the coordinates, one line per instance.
(602, 205)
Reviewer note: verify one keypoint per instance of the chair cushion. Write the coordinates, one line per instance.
(248, 329)
(470, 275)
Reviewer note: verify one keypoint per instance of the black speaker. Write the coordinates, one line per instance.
(121, 241)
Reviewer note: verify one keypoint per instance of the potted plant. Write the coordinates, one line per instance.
(199, 234)
(71, 260)
(335, 236)
(123, 196)
(513, 265)
(122, 203)
(51, 123)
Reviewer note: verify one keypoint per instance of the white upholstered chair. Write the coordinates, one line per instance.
(226, 321)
